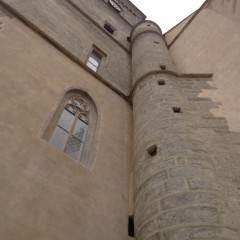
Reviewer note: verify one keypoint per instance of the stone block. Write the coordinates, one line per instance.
(188, 171)
(190, 199)
(198, 161)
(154, 237)
(154, 180)
(203, 183)
(151, 166)
(201, 233)
(147, 229)
(174, 185)
(148, 212)
(154, 193)
(181, 160)
(192, 215)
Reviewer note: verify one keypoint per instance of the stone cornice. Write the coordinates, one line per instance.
(131, 8)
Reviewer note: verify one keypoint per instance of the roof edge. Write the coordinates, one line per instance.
(192, 17)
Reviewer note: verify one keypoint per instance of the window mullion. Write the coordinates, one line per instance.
(71, 131)
(71, 128)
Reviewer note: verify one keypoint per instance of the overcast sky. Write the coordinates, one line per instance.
(167, 13)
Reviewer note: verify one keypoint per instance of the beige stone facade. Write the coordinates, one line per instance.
(44, 193)
(161, 132)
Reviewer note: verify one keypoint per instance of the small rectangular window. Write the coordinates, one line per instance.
(152, 150)
(177, 109)
(94, 60)
(109, 28)
(161, 82)
(163, 67)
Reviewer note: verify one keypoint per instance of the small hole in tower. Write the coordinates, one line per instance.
(156, 42)
(148, 25)
(129, 39)
(177, 109)
(163, 67)
(131, 226)
(161, 82)
(152, 150)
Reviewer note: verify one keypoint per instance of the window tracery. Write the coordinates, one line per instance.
(70, 132)
(74, 127)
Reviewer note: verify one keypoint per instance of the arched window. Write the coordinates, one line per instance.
(70, 132)
(73, 127)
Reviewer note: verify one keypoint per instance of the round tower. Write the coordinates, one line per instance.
(149, 51)
(176, 195)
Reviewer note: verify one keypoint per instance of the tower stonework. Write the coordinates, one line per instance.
(111, 130)
(176, 191)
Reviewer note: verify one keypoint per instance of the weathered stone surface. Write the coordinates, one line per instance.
(148, 211)
(154, 193)
(189, 171)
(191, 215)
(197, 183)
(201, 233)
(77, 34)
(189, 194)
(190, 199)
(4, 12)
(154, 237)
(44, 193)
(147, 229)
(174, 185)
(188, 191)
(153, 165)
(154, 180)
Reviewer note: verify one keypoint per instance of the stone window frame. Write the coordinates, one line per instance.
(95, 51)
(91, 141)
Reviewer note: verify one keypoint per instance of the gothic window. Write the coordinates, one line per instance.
(74, 126)
(70, 132)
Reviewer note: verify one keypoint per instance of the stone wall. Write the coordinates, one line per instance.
(72, 31)
(148, 43)
(228, 8)
(183, 154)
(44, 193)
(211, 44)
(186, 190)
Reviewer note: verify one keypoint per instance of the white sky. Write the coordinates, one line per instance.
(167, 13)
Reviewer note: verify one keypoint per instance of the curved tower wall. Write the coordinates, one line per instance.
(169, 154)
(149, 44)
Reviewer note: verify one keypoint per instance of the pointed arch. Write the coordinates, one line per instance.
(74, 127)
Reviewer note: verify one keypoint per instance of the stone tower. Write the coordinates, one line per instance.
(111, 129)
(176, 191)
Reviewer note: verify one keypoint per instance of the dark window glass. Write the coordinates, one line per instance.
(109, 28)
